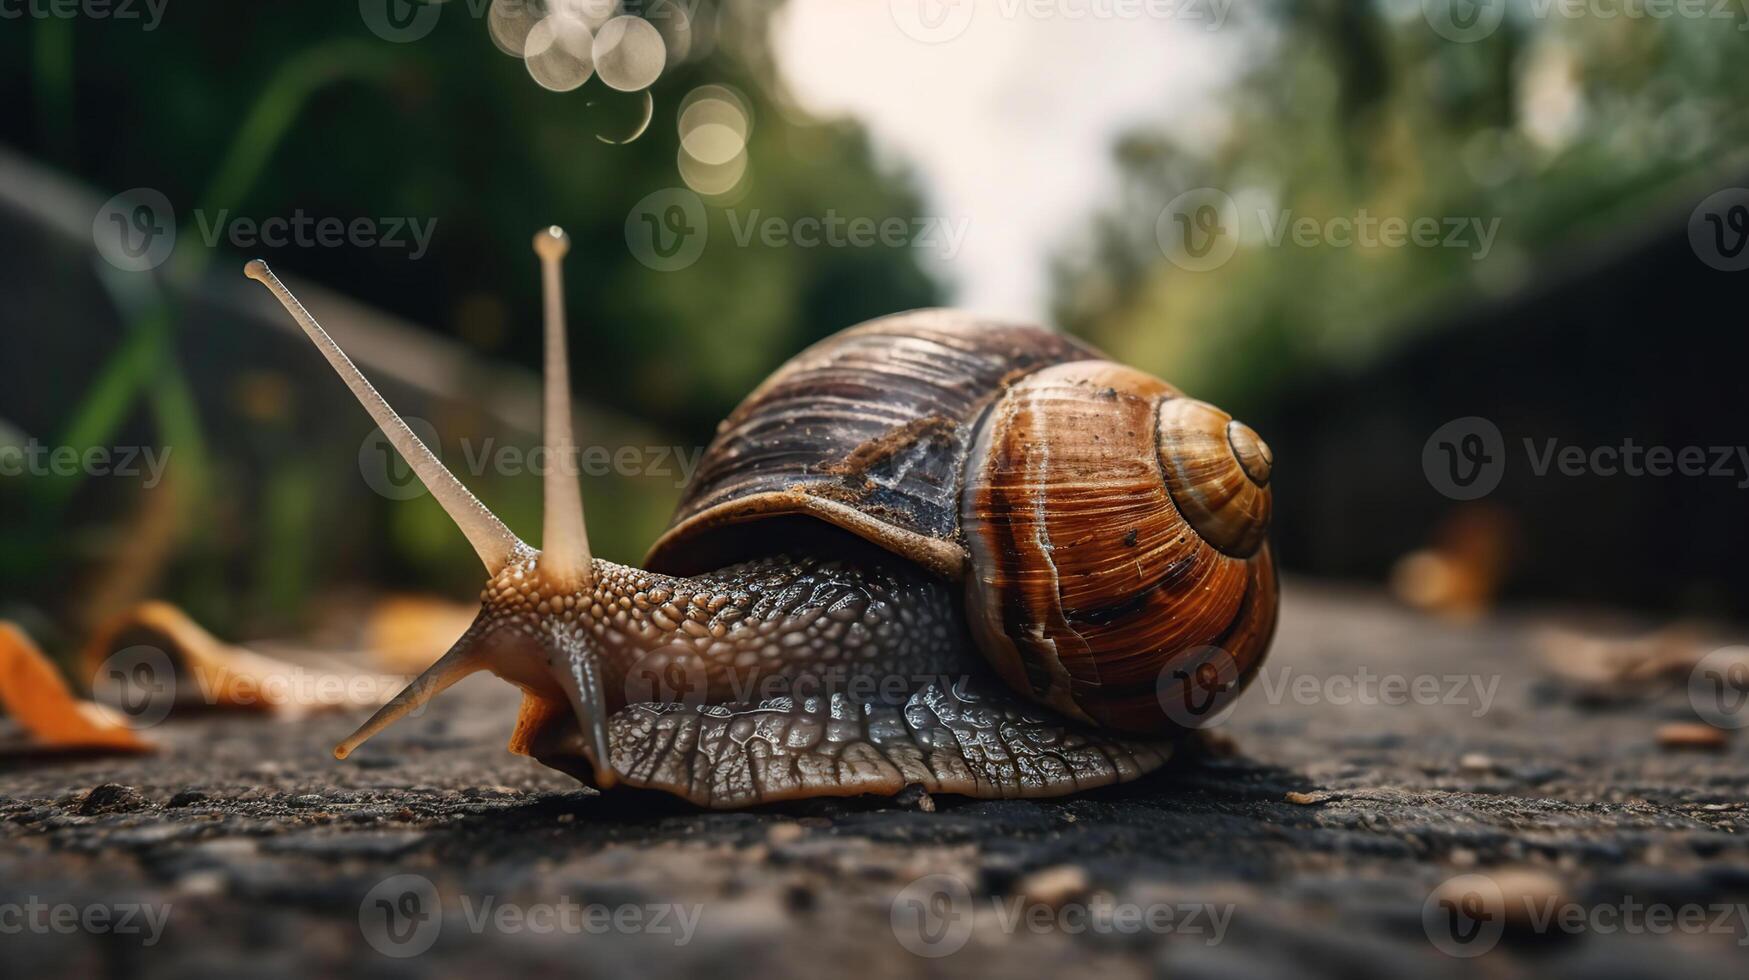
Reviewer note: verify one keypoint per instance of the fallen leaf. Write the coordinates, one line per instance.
(1617, 667)
(212, 673)
(37, 697)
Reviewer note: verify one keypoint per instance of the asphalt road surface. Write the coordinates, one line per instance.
(1405, 798)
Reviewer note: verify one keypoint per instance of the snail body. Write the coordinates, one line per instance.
(929, 550)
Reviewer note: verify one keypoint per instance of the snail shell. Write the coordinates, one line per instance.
(1109, 531)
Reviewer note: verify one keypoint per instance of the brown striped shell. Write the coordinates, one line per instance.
(1110, 532)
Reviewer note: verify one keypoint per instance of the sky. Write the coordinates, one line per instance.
(1008, 111)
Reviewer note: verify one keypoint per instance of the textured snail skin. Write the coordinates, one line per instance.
(804, 677)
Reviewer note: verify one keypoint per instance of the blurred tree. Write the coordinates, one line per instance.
(450, 130)
(283, 110)
(1565, 129)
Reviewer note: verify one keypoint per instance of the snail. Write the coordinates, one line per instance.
(929, 550)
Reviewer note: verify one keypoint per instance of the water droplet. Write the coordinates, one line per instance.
(621, 117)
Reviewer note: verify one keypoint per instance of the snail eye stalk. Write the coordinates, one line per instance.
(565, 558)
(491, 539)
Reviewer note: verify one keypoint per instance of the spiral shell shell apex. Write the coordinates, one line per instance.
(1117, 534)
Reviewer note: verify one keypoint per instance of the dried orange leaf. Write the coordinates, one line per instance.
(34, 694)
(217, 674)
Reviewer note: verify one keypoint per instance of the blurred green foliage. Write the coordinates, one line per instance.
(280, 109)
(1569, 130)
(448, 128)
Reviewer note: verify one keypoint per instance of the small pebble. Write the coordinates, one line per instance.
(915, 797)
(1691, 735)
(111, 798)
(1529, 893)
(1053, 887)
(1476, 762)
(1525, 894)
(784, 833)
